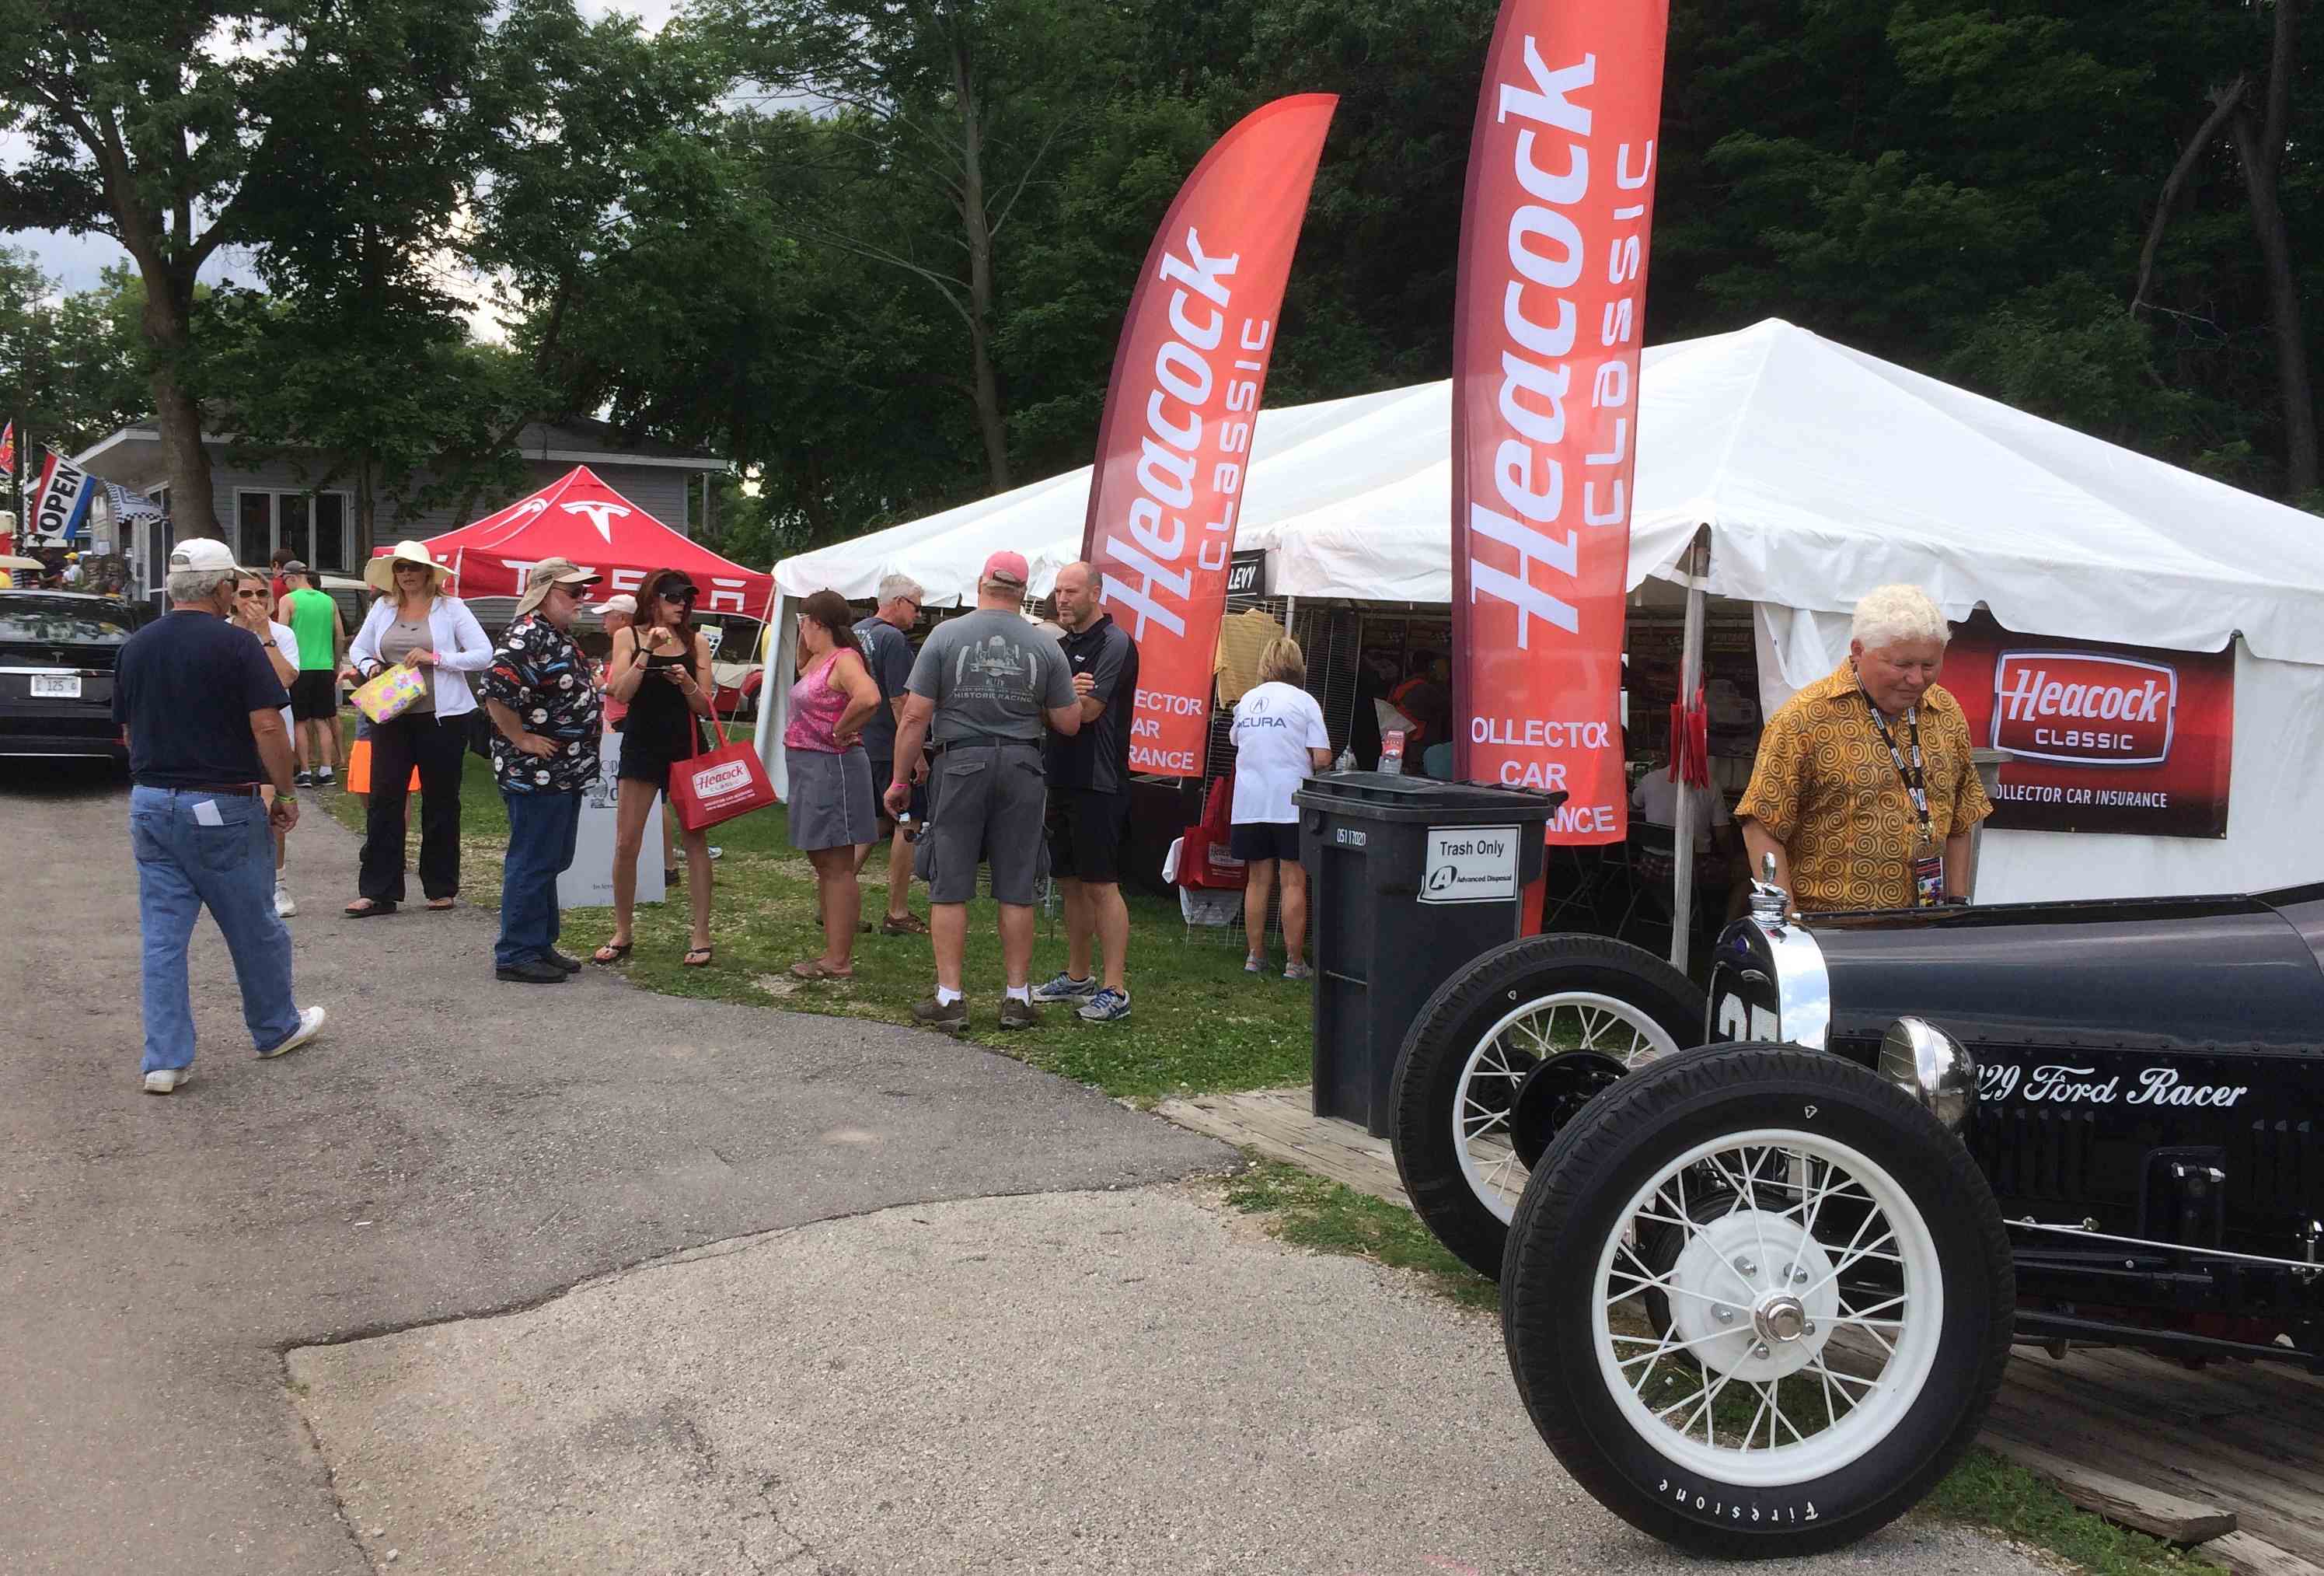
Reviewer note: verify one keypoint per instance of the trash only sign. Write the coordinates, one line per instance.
(1470, 864)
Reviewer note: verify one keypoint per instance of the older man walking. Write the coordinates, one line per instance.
(1089, 801)
(981, 691)
(1864, 791)
(546, 717)
(889, 655)
(202, 708)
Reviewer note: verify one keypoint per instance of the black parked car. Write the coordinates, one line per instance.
(57, 653)
(1757, 1296)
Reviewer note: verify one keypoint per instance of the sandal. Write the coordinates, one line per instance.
(441, 904)
(612, 952)
(370, 907)
(816, 968)
(697, 957)
(910, 924)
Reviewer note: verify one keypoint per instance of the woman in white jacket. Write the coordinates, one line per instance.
(414, 622)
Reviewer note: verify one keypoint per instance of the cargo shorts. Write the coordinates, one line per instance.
(985, 806)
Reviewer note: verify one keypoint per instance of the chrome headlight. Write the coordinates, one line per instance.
(1932, 1067)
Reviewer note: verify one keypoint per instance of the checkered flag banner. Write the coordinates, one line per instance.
(127, 506)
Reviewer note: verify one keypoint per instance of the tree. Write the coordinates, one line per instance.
(171, 128)
(72, 368)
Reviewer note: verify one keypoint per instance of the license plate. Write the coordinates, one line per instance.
(56, 686)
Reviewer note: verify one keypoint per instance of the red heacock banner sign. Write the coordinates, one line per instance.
(1174, 448)
(1545, 344)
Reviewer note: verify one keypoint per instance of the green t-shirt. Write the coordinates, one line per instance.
(311, 612)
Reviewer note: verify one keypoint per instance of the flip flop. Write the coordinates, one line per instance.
(816, 968)
(369, 908)
(698, 956)
(610, 953)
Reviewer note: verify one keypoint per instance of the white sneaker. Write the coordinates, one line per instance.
(716, 852)
(285, 905)
(166, 1080)
(311, 1024)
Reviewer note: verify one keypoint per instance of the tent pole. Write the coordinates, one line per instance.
(1689, 679)
(781, 648)
(1290, 611)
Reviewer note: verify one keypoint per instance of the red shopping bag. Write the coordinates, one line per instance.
(1203, 859)
(711, 786)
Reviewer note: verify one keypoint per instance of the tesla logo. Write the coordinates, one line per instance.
(601, 515)
(2083, 708)
(529, 507)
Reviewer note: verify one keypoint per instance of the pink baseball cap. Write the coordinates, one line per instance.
(1008, 568)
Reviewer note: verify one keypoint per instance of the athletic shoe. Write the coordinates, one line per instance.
(1254, 965)
(716, 852)
(311, 1024)
(532, 972)
(285, 905)
(1297, 972)
(931, 1013)
(304, 780)
(1019, 1014)
(1107, 1006)
(1066, 988)
(557, 960)
(322, 776)
(166, 1080)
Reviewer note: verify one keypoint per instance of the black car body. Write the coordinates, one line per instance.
(58, 649)
(2139, 1083)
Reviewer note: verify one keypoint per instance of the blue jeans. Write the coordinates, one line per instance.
(542, 830)
(182, 866)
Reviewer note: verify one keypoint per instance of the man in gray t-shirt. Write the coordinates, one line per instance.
(982, 687)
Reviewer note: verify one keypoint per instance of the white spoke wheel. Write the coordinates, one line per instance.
(1506, 1051)
(1756, 1300)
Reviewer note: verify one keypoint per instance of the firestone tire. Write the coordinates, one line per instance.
(1436, 1070)
(1767, 1117)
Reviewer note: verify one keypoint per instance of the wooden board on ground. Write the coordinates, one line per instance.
(2158, 1511)
(2247, 1555)
(1281, 1124)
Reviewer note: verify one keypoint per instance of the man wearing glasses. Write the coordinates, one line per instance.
(546, 716)
(889, 655)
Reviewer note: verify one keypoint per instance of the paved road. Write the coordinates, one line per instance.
(450, 1146)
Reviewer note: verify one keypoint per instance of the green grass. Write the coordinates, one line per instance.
(1198, 1023)
(1987, 1491)
(1307, 1211)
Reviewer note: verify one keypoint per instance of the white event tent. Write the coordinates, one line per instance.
(1819, 473)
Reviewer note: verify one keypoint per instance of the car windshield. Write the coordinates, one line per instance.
(64, 621)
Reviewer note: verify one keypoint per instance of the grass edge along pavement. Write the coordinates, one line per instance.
(1199, 1025)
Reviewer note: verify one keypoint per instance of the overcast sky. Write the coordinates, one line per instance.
(77, 261)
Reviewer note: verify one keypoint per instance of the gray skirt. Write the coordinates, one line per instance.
(830, 799)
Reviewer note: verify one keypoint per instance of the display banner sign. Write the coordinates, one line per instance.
(1546, 334)
(2100, 738)
(1174, 448)
(60, 507)
(8, 450)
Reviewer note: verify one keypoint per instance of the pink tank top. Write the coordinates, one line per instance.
(816, 711)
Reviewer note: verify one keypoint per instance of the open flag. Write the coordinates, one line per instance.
(60, 508)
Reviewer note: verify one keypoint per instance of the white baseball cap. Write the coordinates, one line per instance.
(204, 552)
(624, 603)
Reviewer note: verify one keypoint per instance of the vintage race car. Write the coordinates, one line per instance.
(1757, 1294)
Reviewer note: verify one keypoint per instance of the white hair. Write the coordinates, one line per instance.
(1893, 615)
(198, 585)
(894, 586)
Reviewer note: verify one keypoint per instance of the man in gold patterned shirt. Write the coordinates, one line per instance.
(1863, 790)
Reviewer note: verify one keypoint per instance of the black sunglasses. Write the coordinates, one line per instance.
(687, 595)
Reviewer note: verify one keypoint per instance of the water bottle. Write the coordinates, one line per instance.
(910, 828)
(1347, 761)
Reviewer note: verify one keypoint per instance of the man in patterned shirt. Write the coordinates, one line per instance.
(545, 713)
(1863, 790)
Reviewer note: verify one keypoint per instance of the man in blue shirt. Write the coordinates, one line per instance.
(202, 708)
(889, 656)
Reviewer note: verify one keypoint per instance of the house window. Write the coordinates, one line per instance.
(311, 527)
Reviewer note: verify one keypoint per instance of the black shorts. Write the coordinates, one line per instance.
(640, 765)
(883, 772)
(315, 696)
(1265, 839)
(1086, 832)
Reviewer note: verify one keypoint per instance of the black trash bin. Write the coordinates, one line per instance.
(1408, 880)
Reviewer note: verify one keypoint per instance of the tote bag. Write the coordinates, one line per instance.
(1203, 859)
(716, 785)
(392, 693)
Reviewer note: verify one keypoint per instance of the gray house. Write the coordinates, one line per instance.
(261, 509)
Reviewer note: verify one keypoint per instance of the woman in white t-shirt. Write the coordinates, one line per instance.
(1279, 741)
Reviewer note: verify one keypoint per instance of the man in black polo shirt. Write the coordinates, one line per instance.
(1089, 799)
(203, 710)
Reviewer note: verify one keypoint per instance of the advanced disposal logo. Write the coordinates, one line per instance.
(1470, 864)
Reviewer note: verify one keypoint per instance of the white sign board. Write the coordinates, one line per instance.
(588, 881)
(1470, 864)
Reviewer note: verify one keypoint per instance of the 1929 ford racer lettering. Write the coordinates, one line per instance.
(2055, 1084)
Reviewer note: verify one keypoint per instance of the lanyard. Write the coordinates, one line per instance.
(1915, 781)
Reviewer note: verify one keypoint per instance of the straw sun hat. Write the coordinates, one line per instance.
(378, 574)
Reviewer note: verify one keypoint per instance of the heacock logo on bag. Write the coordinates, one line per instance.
(717, 782)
